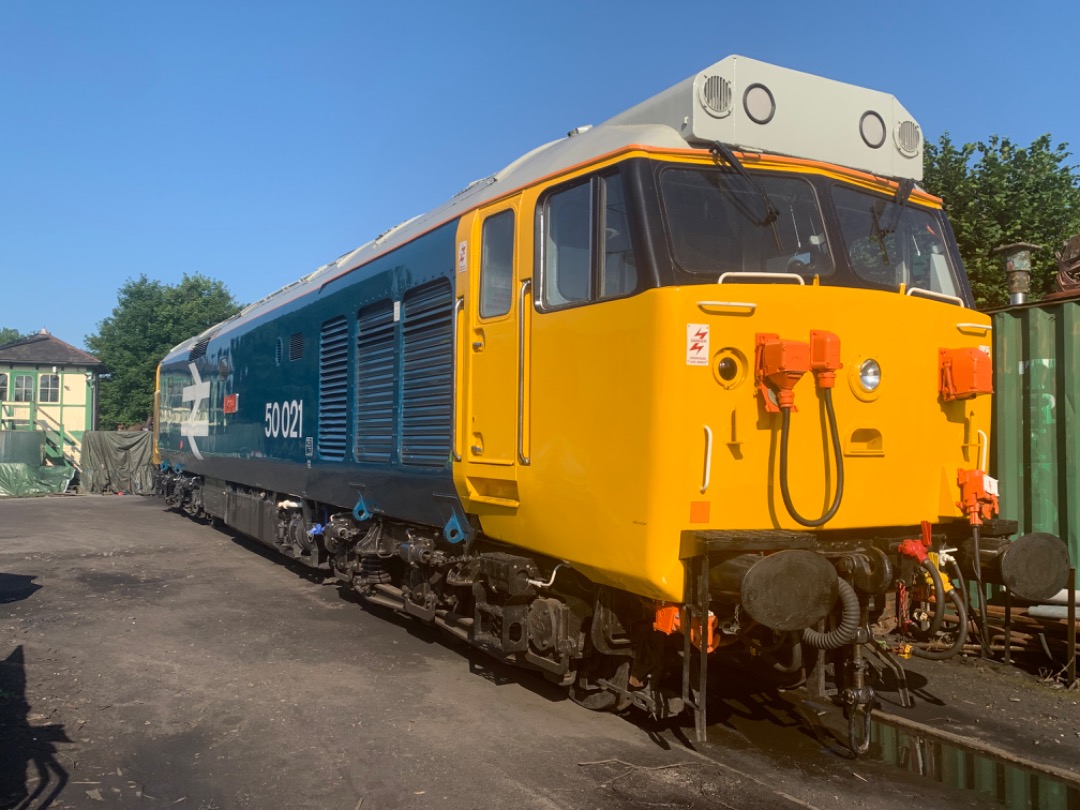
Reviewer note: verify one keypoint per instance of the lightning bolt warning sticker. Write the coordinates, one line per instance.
(697, 344)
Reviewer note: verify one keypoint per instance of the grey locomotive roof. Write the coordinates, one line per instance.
(809, 117)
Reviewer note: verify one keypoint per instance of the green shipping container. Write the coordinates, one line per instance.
(1036, 418)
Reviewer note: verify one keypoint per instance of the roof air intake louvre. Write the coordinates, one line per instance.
(333, 388)
(199, 349)
(427, 375)
(376, 366)
(908, 138)
(716, 96)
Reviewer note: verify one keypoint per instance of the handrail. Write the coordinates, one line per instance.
(706, 305)
(980, 327)
(525, 285)
(934, 294)
(745, 274)
(984, 447)
(708, 459)
(459, 307)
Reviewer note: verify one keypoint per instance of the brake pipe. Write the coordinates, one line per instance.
(917, 551)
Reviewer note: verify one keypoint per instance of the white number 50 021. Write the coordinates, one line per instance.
(284, 419)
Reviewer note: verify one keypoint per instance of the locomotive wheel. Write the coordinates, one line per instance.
(297, 537)
(585, 691)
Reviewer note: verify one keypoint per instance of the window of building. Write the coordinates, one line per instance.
(24, 388)
(587, 252)
(3, 387)
(497, 265)
(49, 388)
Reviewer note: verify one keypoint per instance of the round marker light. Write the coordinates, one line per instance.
(870, 375)
(759, 103)
(872, 129)
(727, 368)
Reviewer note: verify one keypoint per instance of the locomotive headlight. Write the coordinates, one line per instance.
(870, 375)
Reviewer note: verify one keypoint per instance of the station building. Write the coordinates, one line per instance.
(49, 386)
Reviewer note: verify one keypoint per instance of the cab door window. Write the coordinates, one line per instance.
(497, 264)
(587, 252)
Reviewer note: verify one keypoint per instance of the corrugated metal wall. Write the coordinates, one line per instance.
(1036, 430)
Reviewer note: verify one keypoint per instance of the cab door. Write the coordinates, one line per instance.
(494, 334)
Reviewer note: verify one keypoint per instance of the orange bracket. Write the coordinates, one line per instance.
(964, 373)
(669, 620)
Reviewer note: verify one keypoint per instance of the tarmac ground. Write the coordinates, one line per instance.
(149, 661)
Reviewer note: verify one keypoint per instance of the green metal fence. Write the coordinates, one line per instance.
(1036, 418)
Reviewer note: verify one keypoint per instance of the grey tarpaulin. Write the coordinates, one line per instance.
(24, 479)
(117, 461)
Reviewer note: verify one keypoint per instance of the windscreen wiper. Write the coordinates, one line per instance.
(884, 227)
(721, 152)
(903, 194)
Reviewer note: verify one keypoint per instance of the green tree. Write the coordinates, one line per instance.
(147, 321)
(9, 335)
(997, 193)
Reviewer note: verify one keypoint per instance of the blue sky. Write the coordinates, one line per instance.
(253, 142)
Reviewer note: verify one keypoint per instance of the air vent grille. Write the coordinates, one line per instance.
(199, 349)
(427, 375)
(716, 96)
(296, 346)
(333, 388)
(908, 138)
(376, 366)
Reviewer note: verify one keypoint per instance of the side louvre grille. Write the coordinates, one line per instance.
(333, 388)
(376, 415)
(296, 346)
(427, 375)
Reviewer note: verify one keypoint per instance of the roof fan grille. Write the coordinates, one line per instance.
(716, 96)
(908, 137)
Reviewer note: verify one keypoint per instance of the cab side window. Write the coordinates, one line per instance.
(587, 253)
(497, 264)
(618, 269)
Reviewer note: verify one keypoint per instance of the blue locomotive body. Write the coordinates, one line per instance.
(264, 400)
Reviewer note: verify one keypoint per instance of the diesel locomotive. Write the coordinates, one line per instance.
(699, 383)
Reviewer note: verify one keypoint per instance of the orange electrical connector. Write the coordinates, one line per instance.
(824, 357)
(978, 495)
(779, 365)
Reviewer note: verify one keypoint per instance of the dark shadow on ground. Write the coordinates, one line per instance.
(16, 587)
(23, 745)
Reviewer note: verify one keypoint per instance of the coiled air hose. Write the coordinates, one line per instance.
(845, 632)
(939, 596)
(961, 633)
(785, 429)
